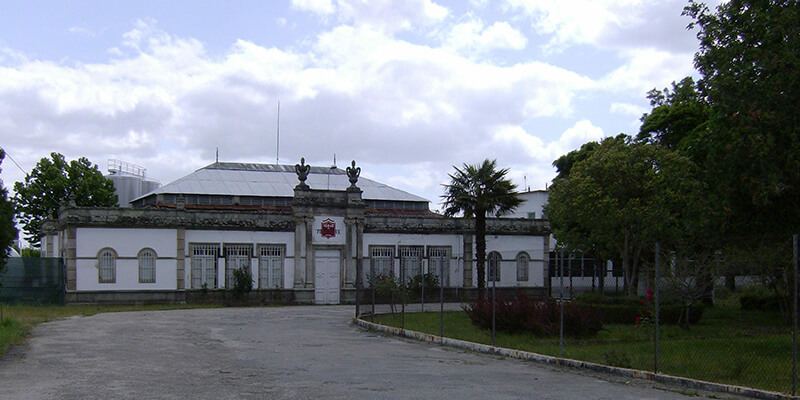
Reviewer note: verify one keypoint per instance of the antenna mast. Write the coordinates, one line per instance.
(278, 145)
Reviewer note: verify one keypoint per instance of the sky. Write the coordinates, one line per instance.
(406, 88)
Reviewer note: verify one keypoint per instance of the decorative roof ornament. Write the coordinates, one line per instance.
(302, 171)
(352, 173)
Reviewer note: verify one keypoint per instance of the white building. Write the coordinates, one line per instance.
(303, 241)
(582, 272)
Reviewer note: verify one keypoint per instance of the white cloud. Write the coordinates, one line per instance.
(386, 15)
(472, 37)
(322, 7)
(627, 109)
(645, 69)
(162, 102)
(574, 21)
(614, 24)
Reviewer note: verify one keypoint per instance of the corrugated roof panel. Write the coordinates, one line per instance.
(270, 180)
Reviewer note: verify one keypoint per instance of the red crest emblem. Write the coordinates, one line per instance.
(328, 228)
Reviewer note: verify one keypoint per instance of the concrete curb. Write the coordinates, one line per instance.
(566, 362)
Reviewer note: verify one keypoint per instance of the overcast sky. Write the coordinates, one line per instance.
(407, 88)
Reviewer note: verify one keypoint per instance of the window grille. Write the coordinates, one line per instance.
(107, 266)
(236, 256)
(270, 266)
(439, 260)
(493, 260)
(410, 262)
(204, 265)
(147, 266)
(522, 266)
(381, 258)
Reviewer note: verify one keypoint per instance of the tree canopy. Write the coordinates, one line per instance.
(622, 198)
(476, 190)
(748, 60)
(677, 114)
(8, 229)
(49, 186)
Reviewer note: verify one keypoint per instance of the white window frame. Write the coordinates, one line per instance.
(270, 265)
(204, 259)
(236, 256)
(147, 265)
(493, 262)
(410, 262)
(523, 266)
(439, 259)
(381, 260)
(107, 265)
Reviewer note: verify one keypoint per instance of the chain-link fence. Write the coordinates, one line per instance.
(32, 280)
(681, 319)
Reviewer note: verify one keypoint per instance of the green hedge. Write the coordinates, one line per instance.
(759, 298)
(624, 310)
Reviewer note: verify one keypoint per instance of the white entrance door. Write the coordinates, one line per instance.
(326, 276)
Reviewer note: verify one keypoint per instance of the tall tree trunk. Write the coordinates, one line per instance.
(626, 266)
(480, 249)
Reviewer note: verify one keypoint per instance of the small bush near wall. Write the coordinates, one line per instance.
(521, 313)
(624, 310)
(759, 298)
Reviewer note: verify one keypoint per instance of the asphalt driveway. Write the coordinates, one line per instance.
(272, 353)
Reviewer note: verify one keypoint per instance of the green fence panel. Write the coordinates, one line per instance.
(31, 280)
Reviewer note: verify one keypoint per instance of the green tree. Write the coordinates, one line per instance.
(474, 191)
(622, 198)
(49, 186)
(748, 60)
(8, 229)
(678, 116)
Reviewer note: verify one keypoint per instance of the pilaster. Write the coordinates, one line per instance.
(468, 260)
(180, 258)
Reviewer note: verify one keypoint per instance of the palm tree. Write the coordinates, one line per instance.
(475, 190)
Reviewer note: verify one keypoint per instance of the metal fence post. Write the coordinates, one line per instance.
(422, 286)
(561, 302)
(794, 317)
(372, 287)
(358, 288)
(656, 284)
(494, 304)
(441, 299)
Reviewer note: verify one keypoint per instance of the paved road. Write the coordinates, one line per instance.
(271, 353)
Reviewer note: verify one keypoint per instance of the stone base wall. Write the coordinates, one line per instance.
(126, 297)
(269, 297)
(451, 295)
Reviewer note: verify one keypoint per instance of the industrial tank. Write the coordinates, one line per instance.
(130, 181)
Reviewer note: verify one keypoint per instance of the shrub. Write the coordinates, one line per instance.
(625, 310)
(242, 281)
(431, 284)
(759, 298)
(522, 313)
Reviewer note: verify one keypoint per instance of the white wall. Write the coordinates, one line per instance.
(243, 237)
(454, 241)
(126, 243)
(508, 247)
(534, 203)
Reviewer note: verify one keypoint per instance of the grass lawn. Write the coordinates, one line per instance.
(731, 346)
(18, 320)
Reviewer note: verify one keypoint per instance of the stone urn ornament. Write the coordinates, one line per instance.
(352, 173)
(302, 171)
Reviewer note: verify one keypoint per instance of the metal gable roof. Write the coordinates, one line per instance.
(269, 180)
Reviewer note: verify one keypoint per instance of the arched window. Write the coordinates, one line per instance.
(522, 266)
(147, 266)
(493, 261)
(107, 266)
